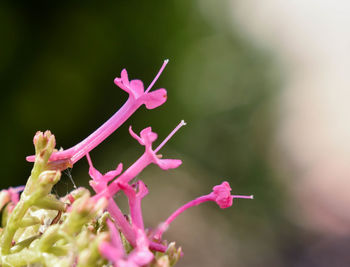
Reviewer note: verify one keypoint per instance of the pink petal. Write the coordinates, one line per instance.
(167, 164)
(141, 255)
(115, 237)
(154, 99)
(119, 82)
(125, 78)
(18, 188)
(123, 82)
(30, 158)
(148, 136)
(135, 136)
(123, 263)
(142, 190)
(112, 174)
(128, 190)
(137, 87)
(222, 194)
(95, 174)
(97, 185)
(14, 195)
(109, 252)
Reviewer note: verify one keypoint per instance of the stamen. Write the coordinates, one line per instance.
(182, 123)
(245, 197)
(157, 76)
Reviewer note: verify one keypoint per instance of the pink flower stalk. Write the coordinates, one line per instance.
(221, 194)
(135, 201)
(137, 97)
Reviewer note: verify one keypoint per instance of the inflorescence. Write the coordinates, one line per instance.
(40, 229)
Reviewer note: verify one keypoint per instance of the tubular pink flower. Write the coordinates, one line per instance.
(221, 195)
(137, 97)
(146, 138)
(135, 201)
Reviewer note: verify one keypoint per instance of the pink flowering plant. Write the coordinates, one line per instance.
(80, 229)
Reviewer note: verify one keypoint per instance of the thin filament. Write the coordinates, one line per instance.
(157, 76)
(246, 197)
(182, 123)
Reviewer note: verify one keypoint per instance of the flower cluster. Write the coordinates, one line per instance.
(83, 230)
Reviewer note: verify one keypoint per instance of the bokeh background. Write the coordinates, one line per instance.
(263, 86)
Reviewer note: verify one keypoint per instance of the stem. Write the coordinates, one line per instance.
(164, 226)
(12, 226)
(190, 204)
(23, 258)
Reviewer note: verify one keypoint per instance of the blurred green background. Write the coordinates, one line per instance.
(57, 65)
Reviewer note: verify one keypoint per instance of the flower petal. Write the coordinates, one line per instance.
(141, 255)
(109, 252)
(114, 173)
(167, 164)
(148, 136)
(125, 78)
(123, 82)
(95, 174)
(154, 99)
(222, 194)
(137, 87)
(135, 136)
(142, 189)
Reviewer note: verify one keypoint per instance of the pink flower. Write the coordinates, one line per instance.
(136, 92)
(137, 97)
(221, 195)
(146, 138)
